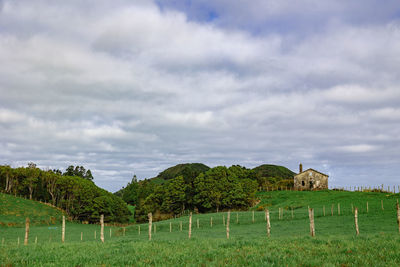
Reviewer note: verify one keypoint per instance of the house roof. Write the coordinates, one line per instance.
(313, 171)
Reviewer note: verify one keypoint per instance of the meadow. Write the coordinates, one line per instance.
(335, 244)
(14, 210)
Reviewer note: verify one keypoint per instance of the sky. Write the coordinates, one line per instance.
(129, 87)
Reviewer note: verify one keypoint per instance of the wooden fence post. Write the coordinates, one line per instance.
(139, 229)
(227, 224)
(324, 210)
(110, 232)
(338, 208)
(18, 241)
(35, 239)
(332, 209)
(311, 217)
(223, 219)
(63, 230)
(398, 214)
(94, 234)
(356, 220)
(123, 230)
(81, 236)
(268, 223)
(367, 206)
(150, 215)
(170, 227)
(237, 218)
(26, 231)
(102, 228)
(190, 225)
(211, 221)
(253, 216)
(180, 225)
(382, 204)
(155, 228)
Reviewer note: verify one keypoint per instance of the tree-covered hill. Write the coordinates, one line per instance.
(80, 198)
(195, 186)
(188, 171)
(273, 175)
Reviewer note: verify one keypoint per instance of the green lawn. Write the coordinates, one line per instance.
(335, 243)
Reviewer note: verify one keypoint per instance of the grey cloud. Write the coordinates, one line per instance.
(128, 88)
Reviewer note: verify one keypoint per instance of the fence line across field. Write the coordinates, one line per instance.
(242, 218)
(377, 188)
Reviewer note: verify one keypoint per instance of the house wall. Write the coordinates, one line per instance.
(312, 181)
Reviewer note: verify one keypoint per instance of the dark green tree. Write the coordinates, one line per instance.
(174, 196)
(79, 171)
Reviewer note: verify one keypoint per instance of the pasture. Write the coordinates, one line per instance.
(289, 244)
(14, 210)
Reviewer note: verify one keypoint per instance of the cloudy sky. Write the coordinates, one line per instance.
(135, 86)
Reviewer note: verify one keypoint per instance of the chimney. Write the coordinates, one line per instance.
(300, 168)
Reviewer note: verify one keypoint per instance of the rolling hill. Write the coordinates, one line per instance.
(14, 210)
(187, 170)
(268, 174)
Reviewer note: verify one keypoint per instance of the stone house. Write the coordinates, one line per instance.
(310, 179)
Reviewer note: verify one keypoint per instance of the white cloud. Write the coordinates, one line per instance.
(8, 116)
(361, 148)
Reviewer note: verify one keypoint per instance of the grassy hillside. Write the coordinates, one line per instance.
(14, 210)
(335, 243)
(189, 171)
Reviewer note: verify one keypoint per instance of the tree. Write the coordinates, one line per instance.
(50, 178)
(174, 195)
(79, 171)
(210, 188)
(130, 192)
(9, 173)
(32, 177)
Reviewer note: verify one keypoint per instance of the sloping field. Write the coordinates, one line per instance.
(14, 210)
(290, 244)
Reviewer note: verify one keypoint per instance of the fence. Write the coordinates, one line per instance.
(377, 188)
(264, 221)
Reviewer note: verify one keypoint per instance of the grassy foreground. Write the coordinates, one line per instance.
(374, 250)
(335, 243)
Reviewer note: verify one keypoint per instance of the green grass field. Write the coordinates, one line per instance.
(290, 243)
(14, 210)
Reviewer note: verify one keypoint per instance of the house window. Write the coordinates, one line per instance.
(302, 183)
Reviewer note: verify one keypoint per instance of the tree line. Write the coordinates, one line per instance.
(213, 190)
(73, 191)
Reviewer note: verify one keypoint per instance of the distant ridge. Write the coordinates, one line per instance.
(187, 170)
(271, 174)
